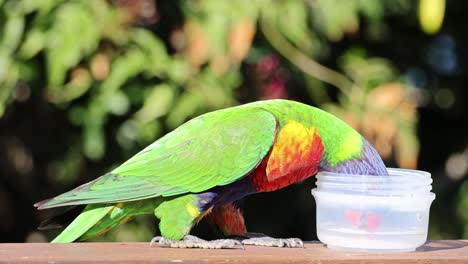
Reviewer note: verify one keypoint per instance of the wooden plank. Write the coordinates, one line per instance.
(443, 251)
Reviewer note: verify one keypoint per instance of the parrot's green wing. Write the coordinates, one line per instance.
(211, 150)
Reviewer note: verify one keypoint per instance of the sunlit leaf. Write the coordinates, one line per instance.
(110, 21)
(178, 70)
(367, 72)
(80, 82)
(295, 13)
(335, 17)
(157, 103)
(155, 51)
(72, 36)
(123, 68)
(5, 62)
(33, 44)
(210, 86)
(9, 75)
(117, 103)
(127, 133)
(12, 33)
(215, 28)
(431, 15)
(184, 108)
(94, 143)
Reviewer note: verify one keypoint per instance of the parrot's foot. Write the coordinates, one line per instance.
(190, 241)
(266, 241)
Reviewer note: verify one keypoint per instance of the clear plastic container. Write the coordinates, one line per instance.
(373, 213)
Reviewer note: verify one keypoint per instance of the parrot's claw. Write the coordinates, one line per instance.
(274, 242)
(190, 241)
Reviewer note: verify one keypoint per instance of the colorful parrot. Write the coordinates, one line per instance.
(204, 166)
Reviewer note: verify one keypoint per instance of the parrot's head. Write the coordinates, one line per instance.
(368, 163)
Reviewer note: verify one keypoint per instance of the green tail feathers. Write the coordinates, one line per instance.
(97, 219)
(90, 216)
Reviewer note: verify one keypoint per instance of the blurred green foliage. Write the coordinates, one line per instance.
(126, 72)
(93, 50)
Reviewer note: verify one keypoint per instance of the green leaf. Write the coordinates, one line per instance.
(94, 143)
(118, 103)
(335, 17)
(9, 75)
(178, 70)
(154, 49)
(373, 10)
(215, 27)
(368, 73)
(45, 6)
(295, 13)
(157, 103)
(93, 136)
(127, 133)
(110, 21)
(212, 87)
(185, 107)
(76, 87)
(32, 45)
(72, 36)
(123, 68)
(12, 33)
(5, 62)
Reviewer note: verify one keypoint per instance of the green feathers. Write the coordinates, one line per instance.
(99, 218)
(91, 215)
(215, 149)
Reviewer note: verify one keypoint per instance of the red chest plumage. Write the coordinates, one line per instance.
(295, 156)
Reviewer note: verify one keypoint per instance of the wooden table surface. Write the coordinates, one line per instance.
(443, 251)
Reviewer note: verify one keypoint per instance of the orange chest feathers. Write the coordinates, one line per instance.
(295, 156)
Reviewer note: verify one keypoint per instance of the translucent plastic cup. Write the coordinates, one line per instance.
(373, 213)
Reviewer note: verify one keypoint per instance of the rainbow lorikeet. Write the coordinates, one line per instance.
(204, 166)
